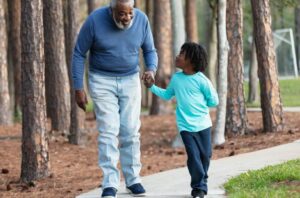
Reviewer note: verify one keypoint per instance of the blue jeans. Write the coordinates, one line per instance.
(117, 103)
(198, 149)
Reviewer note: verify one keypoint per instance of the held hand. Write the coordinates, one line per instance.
(81, 99)
(148, 78)
(148, 75)
(148, 82)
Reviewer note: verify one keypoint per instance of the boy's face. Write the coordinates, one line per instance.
(180, 60)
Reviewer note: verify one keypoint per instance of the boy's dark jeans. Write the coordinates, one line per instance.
(198, 149)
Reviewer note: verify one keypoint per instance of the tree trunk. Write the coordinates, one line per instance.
(149, 9)
(191, 20)
(91, 6)
(6, 113)
(297, 34)
(213, 45)
(147, 99)
(253, 79)
(71, 8)
(57, 80)
(270, 96)
(219, 133)
(35, 158)
(236, 118)
(138, 4)
(163, 43)
(178, 27)
(14, 11)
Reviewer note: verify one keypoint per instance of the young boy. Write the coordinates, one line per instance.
(194, 95)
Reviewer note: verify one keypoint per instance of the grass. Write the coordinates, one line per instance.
(89, 106)
(278, 181)
(289, 92)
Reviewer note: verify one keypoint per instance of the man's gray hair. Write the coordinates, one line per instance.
(113, 3)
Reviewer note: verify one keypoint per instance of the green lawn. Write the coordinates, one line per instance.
(280, 181)
(289, 92)
(90, 106)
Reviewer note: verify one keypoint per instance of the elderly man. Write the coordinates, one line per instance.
(113, 35)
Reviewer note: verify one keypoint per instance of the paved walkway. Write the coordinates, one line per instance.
(285, 109)
(175, 183)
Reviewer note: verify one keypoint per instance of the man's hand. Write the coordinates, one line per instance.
(148, 78)
(81, 99)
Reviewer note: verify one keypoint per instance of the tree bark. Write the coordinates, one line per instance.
(219, 133)
(138, 4)
(191, 20)
(71, 20)
(253, 79)
(236, 117)
(270, 95)
(163, 43)
(213, 45)
(178, 27)
(35, 157)
(5, 107)
(14, 11)
(57, 80)
(149, 9)
(91, 5)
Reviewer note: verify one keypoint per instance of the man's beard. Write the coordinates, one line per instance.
(121, 26)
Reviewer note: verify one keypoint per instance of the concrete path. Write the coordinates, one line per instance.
(175, 183)
(285, 109)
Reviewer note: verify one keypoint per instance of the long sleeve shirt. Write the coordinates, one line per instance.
(194, 95)
(113, 51)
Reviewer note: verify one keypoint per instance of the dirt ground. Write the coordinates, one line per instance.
(74, 169)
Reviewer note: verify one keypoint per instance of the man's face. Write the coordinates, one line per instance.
(123, 15)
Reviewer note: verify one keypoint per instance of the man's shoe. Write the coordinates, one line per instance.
(109, 193)
(197, 193)
(136, 190)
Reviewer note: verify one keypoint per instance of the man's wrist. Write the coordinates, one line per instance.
(154, 72)
(151, 70)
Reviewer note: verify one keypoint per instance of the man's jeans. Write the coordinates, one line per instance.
(117, 103)
(198, 149)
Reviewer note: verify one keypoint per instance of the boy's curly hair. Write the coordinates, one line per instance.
(196, 53)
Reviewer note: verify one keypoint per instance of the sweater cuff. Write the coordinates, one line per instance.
(78, 85)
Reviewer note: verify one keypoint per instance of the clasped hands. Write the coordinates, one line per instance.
(148, 78)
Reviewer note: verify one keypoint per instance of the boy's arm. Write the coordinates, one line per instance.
(211, 95)
(165, 94)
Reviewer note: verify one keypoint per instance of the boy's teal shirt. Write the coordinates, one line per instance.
(194, 95)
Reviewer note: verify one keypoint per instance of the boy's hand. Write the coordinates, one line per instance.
(148, 78)
(148, 82)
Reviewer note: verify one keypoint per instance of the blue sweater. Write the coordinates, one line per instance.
(113, 52)
(194, 95)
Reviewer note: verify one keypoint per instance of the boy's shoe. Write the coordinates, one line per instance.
(109, 193)
(136, 190)
(197, 193)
